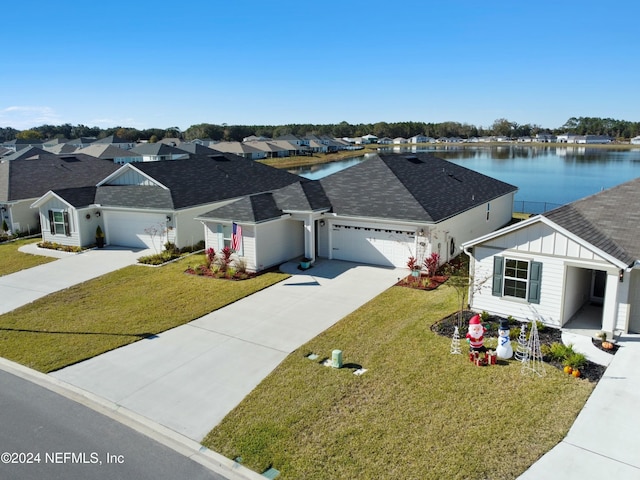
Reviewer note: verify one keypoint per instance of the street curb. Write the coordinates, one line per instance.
(183, 445)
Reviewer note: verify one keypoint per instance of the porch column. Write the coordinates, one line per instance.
(610, 307)
(309, 237)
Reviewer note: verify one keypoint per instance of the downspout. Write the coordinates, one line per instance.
(472, 268)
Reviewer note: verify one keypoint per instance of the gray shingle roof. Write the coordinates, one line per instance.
(205, 179)
(304, 195)
(32, 178)
(156, 149)
(418, 187)
(77, 197)
(608, 220)
(252, 209)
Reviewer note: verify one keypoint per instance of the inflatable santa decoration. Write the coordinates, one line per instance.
(475, 334)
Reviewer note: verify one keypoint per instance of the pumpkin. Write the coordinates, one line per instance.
(575, 373)
(607, 345)
(568, 369)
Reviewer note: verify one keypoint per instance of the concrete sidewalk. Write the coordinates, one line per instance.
(189, 378)
(603, 441)
(25, 286)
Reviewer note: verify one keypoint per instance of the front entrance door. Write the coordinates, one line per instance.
(598, 284)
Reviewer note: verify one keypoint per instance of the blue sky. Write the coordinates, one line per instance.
(140, 64)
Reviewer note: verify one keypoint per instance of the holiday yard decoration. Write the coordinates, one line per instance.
(475, 334)
(455, 342)
(533, 363)
(504, 349)
(522, 351)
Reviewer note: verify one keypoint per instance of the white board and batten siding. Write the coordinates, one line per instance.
(265, 244)
(73, 239)
(558, 255)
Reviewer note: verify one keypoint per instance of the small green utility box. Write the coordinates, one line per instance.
(336, 359)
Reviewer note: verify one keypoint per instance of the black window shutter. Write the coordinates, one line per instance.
(498, 268)
(67, 230)
(535, 279)
(52, 227)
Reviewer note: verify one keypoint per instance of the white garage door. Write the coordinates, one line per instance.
(372, 245)
(135, 230)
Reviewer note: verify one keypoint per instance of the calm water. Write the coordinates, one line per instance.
(543, 174)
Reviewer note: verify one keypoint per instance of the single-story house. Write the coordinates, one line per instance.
(635, 140)
(552, 266)
(146, 204)
(155, 152)
(381, 211)
(245, 150)
(24, 180)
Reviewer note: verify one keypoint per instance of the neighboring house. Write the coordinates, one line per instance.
(552, 266)
(385, 141)
(400, 140)
(144, 205)
(244, 150)
(155, 152)
(381, 211)
(116, 141)
(635, 140)
(545, 138)
(421, 139)
(107, 151)
(197, 148)
(22, 181)
(171, 141)
(300, 142)
(29, 152)
(369, 139)
(81, 142)
(20, 144)
(273, 149)
(60, 148)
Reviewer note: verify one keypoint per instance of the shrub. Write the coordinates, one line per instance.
(575, 361)
(412, 263)
(559, 352)
(484, 316)
(431, 263)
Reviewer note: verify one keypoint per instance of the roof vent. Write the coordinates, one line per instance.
(69, 158)
(414, 160)
(218, 158)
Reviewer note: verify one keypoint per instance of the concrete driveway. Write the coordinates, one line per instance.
(24, 287)
(190, 377)
(603, 441)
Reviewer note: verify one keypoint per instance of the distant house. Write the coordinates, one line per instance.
(421, 139)
(274, 149)
(593, 139)
(154, 152)
(369, 139)
(81, 142)
(385, 141)
(244, 150)
(400, 141)
(301, 142)
(107, 151)
(545, 138)
(116, 141)
(584, 255)
(635, 140)
(21, 144)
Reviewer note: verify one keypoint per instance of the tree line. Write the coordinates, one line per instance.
(619, 129)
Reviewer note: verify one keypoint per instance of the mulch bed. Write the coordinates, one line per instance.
(548, 335)
(423, 282)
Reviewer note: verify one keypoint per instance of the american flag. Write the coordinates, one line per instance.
(236, 238)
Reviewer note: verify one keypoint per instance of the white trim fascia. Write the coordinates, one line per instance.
(48, 196)
(206, 220)
(540, 218)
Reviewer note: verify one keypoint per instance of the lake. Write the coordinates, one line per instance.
(546, 176)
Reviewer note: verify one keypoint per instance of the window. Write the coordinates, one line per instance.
(516, 274)
(59, 222)
(517, 278)
(488, 211)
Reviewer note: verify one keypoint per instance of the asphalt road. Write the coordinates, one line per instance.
(45, 435)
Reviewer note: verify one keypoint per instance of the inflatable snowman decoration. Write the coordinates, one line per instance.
(504, 350)
(475, 334)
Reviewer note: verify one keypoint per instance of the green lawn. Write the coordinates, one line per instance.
(11, 260)
(417, 413)
(114, 310)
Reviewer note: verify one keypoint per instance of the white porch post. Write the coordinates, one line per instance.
(309, 238)
(610, 307)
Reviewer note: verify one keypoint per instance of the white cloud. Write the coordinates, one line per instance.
(23, 117)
